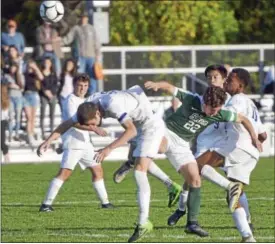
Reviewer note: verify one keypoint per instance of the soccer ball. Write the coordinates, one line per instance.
(51, 11)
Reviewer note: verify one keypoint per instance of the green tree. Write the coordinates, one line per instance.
(256, 20)
(171, 22)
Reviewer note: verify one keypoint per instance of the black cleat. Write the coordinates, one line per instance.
(122, 171)
(174, 218)
(194, 228)
(45, 208)
(107, 205)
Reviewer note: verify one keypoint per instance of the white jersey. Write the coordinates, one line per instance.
(211, 134)
(124, 105)
(74, 138)
(236, 133)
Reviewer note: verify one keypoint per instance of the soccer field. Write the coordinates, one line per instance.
(78, 218)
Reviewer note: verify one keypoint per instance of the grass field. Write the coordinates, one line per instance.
(78, 218)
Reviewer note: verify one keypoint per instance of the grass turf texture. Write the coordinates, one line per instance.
(78, 218)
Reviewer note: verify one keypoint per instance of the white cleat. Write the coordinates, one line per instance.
(249, 239)
(234, 193)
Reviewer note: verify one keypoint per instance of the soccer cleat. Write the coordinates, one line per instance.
(249, 239)
(45, 208)
(122, 171)
(194, 228)
(141, 231)
(234, 193)
(174, 218)
(174, 194)
(107, 205)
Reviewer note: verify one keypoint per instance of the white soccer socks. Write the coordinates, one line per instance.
(154, 170)
(239, 217)
(100, 190)
(183, 200)
(143, 195)
(53, 191)
(213, 176)
(244, 203)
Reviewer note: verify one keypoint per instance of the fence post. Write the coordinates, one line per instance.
(194, 63)
(123, 67)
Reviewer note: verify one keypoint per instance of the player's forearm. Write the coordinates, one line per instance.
(248, 126)
(83, 127)
(61, 129)
(124, 138)
(165, 86)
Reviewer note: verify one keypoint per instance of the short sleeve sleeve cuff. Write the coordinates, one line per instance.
(175, 92)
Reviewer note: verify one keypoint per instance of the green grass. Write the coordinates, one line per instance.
(78, 218)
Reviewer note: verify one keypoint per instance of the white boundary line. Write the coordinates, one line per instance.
(122, 200)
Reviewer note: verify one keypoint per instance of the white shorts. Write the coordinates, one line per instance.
(178, 150)
(149, 139)
(72, 157)
(239, 165)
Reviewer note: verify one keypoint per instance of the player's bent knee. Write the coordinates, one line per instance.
(97, 172)
(64, 174)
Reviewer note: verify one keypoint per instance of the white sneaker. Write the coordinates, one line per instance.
(234, 193)
(249, 239)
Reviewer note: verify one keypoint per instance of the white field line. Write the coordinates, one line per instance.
(152, 200)
(102, 236)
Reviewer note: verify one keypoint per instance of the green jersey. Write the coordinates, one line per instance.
(189, 120)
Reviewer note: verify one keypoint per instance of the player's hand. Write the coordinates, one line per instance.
(257, 144)
(102, 154)
(99, 131)
(42, 148)
(150, 85)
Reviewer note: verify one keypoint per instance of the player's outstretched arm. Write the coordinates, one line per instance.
(61, 129)
(248, 126)
(163, 85)
(129, 133)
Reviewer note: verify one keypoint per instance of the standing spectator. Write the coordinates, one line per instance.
(4, 120)
(14, 57)
(48, 93)
(15, 85)
(66, 82)
(269, 81)
(45, 46)
(33, 78)
(12, 38)
(88, 46)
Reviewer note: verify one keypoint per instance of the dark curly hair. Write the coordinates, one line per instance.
(243, 76)
(214, 96)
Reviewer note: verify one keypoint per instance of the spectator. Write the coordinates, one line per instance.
(4, 120)
(269, 81)
(12, 38)
(88, 46)
(45, 46)
(14, 57)
(66, 82)
(15, 85)
(33, 78)
(48, 93)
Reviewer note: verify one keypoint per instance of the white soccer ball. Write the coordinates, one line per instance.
(51, 11)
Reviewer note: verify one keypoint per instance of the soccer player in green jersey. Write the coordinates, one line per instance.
(195, 114)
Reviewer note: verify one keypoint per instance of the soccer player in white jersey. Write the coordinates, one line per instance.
(77, 150)
(133, 110)
(234, 150)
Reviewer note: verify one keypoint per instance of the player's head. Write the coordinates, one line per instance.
(81, 84)
(215, 75)
(237, 81)
(89, 114)
(213, 98)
